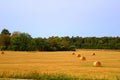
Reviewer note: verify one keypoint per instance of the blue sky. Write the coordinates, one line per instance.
(44, 18)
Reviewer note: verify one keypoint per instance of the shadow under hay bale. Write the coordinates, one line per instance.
(78, 55)
(93, 54)
(82, 58)
(2, 52)
(73, 53)
(97, 64)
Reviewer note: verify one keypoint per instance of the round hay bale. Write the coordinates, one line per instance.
(73, 53)
(97, 64)
(78, 55)
(2, 52)
(82, 58)
(93, 54)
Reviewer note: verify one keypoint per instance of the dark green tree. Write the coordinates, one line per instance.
(5, 32)
(4, 39)
(40, 44)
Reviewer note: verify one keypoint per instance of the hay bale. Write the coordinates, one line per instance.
(78, 55)
(97, 64)
(2, 52)
(82, 58)
(73, 53)
(93, 54)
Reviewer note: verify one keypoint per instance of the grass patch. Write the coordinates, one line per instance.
(46, 76)
(37, 76)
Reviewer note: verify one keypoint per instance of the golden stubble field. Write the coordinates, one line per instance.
(62, 62)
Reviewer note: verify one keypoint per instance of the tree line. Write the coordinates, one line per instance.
(18, 41)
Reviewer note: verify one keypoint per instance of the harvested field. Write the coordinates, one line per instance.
(62, 62)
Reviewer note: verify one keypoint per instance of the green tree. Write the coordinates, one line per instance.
(54, 43)
(5, 32)
(4, 39)
(22, 42)
(40, 44)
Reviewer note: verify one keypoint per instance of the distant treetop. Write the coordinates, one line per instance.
(5, 32)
